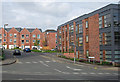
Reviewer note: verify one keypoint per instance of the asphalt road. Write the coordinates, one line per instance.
(44, 66)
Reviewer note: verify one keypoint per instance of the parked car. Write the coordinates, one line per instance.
(27, 50)
(16, 52)
(52, 49)
(34, 48)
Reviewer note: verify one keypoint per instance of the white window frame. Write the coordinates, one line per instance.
(33, 36)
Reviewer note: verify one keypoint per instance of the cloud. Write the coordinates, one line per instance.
(53, 8)
(44, 14)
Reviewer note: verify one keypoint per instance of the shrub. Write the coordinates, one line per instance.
(81, 60)
(97, 61)
(106, 63)
(36, 50)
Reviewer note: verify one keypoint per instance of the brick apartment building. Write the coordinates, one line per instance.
(23, 38)
(51, 38)
(96, 34)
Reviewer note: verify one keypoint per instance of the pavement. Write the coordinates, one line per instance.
(46, 66)
(95, 66)
(9, 58)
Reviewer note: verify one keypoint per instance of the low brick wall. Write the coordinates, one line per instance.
(69, 55)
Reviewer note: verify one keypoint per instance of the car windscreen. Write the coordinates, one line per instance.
(17, 51)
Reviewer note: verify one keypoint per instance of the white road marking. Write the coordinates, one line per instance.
(20, 79)
(92, 73)
(57, 70)
(115, 73)
(19, 62)
(40, 61)
(83, 73)
(65, 72)
(43, 63)
(27, 62)
(73, 68)
(34, 62)
(53, 60)
(100, 73)
(75, 73)
(76, 69)
(47, 61)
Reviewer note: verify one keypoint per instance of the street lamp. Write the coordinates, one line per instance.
(74, 53)
(4, 30)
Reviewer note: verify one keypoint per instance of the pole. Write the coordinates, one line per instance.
(4, 31)
(74, 54)
(4, 36)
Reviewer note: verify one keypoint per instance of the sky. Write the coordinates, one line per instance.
(46, 14)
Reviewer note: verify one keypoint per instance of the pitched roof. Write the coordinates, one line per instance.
(30, 30)
(40, 30)
(8, 29)
(50, 30)
(18, 29)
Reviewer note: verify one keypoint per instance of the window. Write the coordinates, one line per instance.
(86, 24)
(22, 41)
(76, 29)
(86, 38)
(38, 36)
(100, 37)
(4, 40)
(4, 34)
(10, 34)
(33, 41)
(107, 22)
(38, 41)
(117, 38)
(108, 55)
(14, 40)
(107, 38)
(71, 28)
(10, 40)
(22, 36)
(33, 35)
(27, 41)
(80, 41)
(87, 53)
(107, 52)
(117, 52)
(59, 31)
(116, 19)
(80, 28)
(56, 35)
(100, 22)
(0, 40)
(27, 35)
(0, 35)
(15, 35)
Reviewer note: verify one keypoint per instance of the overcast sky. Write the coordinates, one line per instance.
(45, 15)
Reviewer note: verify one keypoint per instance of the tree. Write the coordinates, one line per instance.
(45, 43)
(36, 43)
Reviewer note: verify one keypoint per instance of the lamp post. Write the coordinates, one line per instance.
(4, 30)
(74, 53)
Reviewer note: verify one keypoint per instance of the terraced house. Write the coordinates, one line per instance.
(22, 38)
(96, 34)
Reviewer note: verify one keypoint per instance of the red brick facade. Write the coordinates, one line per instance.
(90, 48)
(26, 38)
(11, 39)
(51, 38)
